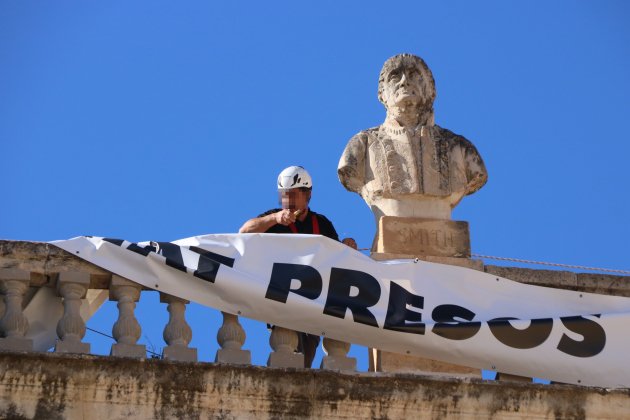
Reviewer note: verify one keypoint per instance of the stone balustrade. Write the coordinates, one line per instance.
(72, 287)
(26, 267)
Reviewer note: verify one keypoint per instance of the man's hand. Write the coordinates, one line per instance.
(284, 217)
(350, 242)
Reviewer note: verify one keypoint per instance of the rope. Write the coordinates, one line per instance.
(579, 267)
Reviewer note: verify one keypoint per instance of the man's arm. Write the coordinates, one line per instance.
(263, 223)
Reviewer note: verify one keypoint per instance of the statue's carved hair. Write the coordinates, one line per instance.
(408, 61)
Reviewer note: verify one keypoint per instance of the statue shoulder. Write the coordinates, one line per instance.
(448, 135)
(476, 174)
(365, 136)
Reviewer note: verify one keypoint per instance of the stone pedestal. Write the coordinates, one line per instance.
(16, 344)
(180, 353)
(72, 347)
(233, 356)
(284, 342)
(286, 360)
(383, 361)
(337, 356)
(129, 350)
(423, 237)
(432, 240)
(231, 337)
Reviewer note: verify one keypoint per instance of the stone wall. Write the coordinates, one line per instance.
(53, 386)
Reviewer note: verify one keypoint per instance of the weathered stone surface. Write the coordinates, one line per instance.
(38, 386)
(234, 356)
(72, 286)
(72, 347)
(44, 261)
(409, 166)
(16, 344)
(177, 333)
(231, 337)
(417, 236)
(346, 364)
(129, 350)
(337, 356)
(549, 278)
(285, 360)
(284, 342)
(180, 353)
(394, 362)
(603, 284)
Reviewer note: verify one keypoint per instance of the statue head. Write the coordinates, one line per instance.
(405, 79)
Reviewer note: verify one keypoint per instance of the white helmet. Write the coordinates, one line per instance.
(294, 177)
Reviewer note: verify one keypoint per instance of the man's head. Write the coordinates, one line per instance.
(294, 188)
(405, 79)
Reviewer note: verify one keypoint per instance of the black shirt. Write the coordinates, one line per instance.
(326, 227)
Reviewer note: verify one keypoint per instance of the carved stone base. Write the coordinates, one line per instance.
(129, 350)
(419, 236)
(180, 353)
(72, 347)
(394, 362)
(16, 344)
(234, 356)
(286, 360)
(339, 363)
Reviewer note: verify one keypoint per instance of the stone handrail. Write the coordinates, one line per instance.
(26, 267)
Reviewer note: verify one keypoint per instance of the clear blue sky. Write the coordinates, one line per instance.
(155, 120)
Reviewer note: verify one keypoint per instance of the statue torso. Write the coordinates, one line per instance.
(427, 161)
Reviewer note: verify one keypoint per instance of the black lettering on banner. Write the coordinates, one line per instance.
(594, 337)
(209, 264)
(528, 338)
(339, 300)
(447, 326)
(133, 247)
(118, 242)
(280, 282)
(144, 251)
(173, 255)
(397, 313)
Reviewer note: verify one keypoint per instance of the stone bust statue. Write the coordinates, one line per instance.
(408, 166)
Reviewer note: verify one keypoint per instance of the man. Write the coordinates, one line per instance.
(408, 166)
(294, 189)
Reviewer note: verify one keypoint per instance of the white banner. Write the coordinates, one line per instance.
(313, 284)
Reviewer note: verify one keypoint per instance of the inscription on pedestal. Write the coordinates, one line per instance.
(417, 236)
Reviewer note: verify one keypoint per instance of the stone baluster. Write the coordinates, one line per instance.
(337, 356)
(177, 333)
(231, 337)
(2, 306)
(126, 330)
(284, 342)
(14, 325)
(72, 286)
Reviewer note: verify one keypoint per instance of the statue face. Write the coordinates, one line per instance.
(403, 87)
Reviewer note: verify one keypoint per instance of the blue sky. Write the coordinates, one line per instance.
(154, 120)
